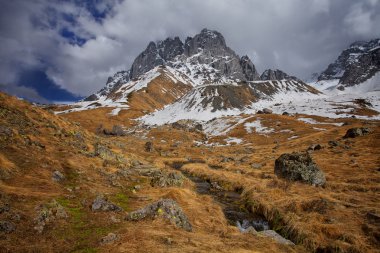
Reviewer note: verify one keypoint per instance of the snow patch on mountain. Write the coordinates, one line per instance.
(332, 86)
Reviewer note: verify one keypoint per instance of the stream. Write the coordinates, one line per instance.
(231, 202)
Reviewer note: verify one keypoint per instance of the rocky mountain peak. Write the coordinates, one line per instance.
(208, 40)
(249, 69)
(274, 74)
(355, 64)
(205, 58)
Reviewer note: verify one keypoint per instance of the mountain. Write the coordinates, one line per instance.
(202, 73)
(276, 74)
(355, 65)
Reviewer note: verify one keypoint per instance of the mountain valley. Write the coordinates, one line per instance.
(193, 150)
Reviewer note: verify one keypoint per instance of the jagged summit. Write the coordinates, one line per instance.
(355, 65)
(275, 74)
(205, 58)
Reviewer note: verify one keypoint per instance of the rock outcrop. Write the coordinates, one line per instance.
(357, 131)
(103, 204)
(164, 208)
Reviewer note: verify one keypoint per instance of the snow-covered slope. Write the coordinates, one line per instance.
(212, 101)
(119, 89)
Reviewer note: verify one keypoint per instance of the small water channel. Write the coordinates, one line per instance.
(231, 202)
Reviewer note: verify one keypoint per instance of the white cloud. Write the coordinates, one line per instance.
(298, 36)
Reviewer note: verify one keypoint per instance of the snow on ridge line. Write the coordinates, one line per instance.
(125, 89)
(330, 86)
(291, 102)
(181, 110)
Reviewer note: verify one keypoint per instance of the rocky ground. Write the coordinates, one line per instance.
(269, 183)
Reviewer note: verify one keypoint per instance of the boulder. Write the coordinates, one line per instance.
(275, 236)
(299, 167)
(165, 179)
(102, 204)
(108, 239)
(57, 176)
(333, 143)
(118, 131)
(267, 111)
(165, 208)
(285, 113)
(149, 146)
(357, 131)
(47, 213)
(314, 147)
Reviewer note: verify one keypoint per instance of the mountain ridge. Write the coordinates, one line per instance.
(355, 65)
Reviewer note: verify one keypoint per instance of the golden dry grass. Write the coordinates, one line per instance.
(331, 219)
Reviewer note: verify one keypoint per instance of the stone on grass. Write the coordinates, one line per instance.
(314, 147)
(108, 239)
(102, 204)
(165, 208)
(299, 167)
(165, 179)
(275, 236)
(357, 131)
(48, 213)
(57, 176)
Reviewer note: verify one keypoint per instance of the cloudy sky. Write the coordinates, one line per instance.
(57, 50)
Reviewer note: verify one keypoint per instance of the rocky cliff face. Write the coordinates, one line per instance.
(205, 58)
(156, 54)
(249, 69)
(276, 74)
(358, 63)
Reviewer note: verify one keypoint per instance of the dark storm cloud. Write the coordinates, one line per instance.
(78, 44)
(23, 92)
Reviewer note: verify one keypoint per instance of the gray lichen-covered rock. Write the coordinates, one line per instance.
(355, 132)
(101, 203)
(299, 167)
(165, 179)
(57, 176)
(47, 213)
(274, 235)
(165, 208)
(108, 239)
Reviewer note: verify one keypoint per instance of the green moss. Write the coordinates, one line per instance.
(75, 211)
(122, 200)
(82, 228)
